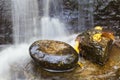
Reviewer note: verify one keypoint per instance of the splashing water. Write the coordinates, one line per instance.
(28, 26)
(11, 55)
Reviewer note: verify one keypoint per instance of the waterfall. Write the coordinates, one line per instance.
(28, 24)
(46, 6)
(51, 27)
(25, 20)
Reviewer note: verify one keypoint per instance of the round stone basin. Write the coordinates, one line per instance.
(55, 56)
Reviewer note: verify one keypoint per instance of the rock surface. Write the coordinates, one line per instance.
(54, 55)
(91, 71)
(94, 51)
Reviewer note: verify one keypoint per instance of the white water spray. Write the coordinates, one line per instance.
(16, 54)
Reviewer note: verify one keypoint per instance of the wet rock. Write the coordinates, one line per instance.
(53, 55)
(97, 52)
(107, 14)
(117, 43)
(117, 77)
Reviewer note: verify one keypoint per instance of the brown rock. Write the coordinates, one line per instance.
(53, 55)
(97, 52)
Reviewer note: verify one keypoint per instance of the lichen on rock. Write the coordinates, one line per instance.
(95, 51)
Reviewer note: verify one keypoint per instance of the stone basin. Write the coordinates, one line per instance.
(55, 56)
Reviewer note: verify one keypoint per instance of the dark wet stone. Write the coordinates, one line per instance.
(107, 14)
(53, 55)
(97, 52)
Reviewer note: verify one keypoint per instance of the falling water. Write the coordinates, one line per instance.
(25, 20)
(27, 24)
(46, 7)
(51, 28)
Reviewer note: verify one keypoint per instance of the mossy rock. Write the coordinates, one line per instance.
(97, 52)
(53, 55)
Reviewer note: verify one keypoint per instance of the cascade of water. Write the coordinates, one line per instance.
(46, 7)
(26, 26)
(25, 17)
(26, 21)
(51, 28)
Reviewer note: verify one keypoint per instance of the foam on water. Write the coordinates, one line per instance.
(19, 54)
(14, 54)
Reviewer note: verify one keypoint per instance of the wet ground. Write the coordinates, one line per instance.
(90, 71)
